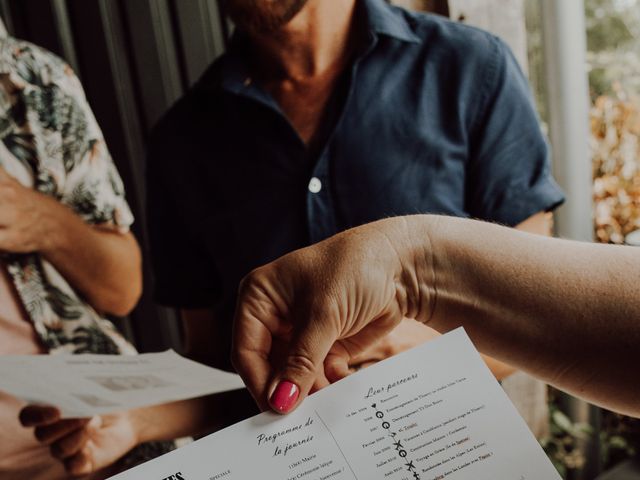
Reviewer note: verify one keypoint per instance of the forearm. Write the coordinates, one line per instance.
(192, 417)
(564, 311)
(103, 266)
(540, 224)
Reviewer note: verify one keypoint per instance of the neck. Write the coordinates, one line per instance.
(313, 42)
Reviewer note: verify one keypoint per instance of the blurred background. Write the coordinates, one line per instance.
(136, 57)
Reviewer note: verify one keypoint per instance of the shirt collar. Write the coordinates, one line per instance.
(380, 19)
(385, 19)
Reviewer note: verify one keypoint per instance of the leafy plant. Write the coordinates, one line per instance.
(619, 438)
(562, 444)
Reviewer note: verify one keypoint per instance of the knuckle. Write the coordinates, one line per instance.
(388, 348)
(65, 447)
(58, 451)
(246, 285)
(301, 364)
(252, 281)
(41, 435)
(78, 465)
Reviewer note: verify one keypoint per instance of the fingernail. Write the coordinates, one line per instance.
(284, 396)
(30, 418)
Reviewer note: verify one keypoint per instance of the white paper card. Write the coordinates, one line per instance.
(431, 413)
(87, 385)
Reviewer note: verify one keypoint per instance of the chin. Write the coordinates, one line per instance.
(262, 16)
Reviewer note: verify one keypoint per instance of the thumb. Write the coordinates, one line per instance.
(303, 362)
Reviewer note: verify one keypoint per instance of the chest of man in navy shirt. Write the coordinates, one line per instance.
(324, 115)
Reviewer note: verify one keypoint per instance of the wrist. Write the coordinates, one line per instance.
(422, 244)
(457, 270)
(55, 225)
(411, 240)
(141, 423)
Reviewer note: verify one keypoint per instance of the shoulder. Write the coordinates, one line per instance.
(198, 106)
(466, 46)
(43, 82)
(473, 63)
(32, 64)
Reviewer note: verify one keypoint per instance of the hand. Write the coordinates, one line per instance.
(407, 335)
(84, 446)
(331, 302)
(26, 217)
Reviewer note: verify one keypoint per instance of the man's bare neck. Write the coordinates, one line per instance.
(315, 41)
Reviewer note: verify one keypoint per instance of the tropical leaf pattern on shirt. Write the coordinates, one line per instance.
(63, 305)
(89, 339)
(51, 142)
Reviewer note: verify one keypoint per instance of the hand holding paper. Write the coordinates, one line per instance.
(87, 446)
(106, 391)
(322, 308)
(539, 304)
(84, 446)
(434, 412)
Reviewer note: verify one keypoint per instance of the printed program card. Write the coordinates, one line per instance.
(434, 412)
(87, 385)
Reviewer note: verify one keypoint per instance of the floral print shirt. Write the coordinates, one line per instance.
(50, 141)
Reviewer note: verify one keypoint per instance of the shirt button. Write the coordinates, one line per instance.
(315, 185)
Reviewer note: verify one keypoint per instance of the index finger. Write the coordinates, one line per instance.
(39, 415)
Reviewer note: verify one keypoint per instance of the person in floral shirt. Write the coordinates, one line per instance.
(67, 257)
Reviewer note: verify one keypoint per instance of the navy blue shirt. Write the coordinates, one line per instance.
(436, 117)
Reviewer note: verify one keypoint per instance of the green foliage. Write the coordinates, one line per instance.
(562, 444)
(598, 82)
(619, 438)
(613, 41)
(610, 24)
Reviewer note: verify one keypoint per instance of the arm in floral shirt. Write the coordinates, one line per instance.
(103, 265)
(60, 194)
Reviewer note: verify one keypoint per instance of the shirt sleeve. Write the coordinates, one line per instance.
(92, 186)
(509, 174)
(184, 275)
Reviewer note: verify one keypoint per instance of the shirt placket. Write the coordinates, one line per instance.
(321, 218)
(321, 211)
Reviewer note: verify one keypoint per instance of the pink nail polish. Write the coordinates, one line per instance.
(284, 396)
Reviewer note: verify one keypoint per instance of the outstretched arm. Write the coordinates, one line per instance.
(567, 312)
(564, 311)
